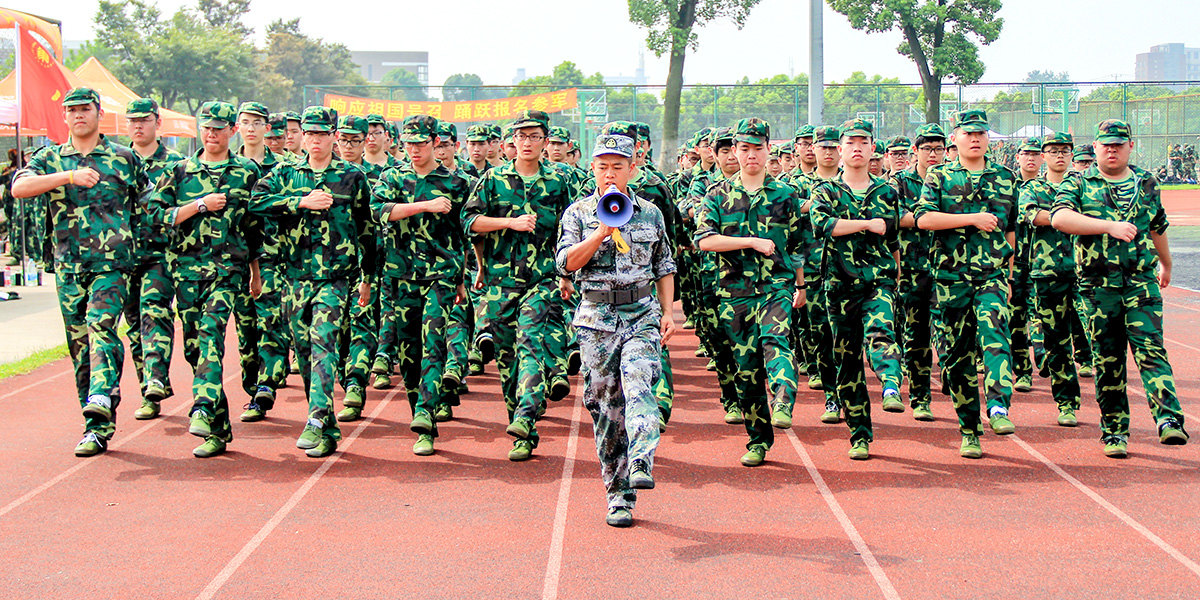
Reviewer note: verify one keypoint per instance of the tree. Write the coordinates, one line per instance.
(227, 14)
(1040, 76)
(670, 25)
(937, 37)
(565, 75)
(413, 89)
(465, 86)
(90, 48)
(294, 57)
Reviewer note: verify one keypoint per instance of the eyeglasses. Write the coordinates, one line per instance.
(521, 137)
(932, 149)
(253, 124)
(804, 144)
(1058, 152)
(900, 154)
(376, 134)
(350, 142)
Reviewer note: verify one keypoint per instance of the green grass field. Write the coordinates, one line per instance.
(1180, 186)
(29, 363)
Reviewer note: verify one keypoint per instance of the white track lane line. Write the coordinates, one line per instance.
(881, 579)
(42, 381)
(232, 566)
(554, 562)
(1106, 505)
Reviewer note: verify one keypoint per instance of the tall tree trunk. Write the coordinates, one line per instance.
(933, 100)
(670, 122)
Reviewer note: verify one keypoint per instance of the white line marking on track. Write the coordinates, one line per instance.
(1105, 504)
(38, 382)
(232, 566)
(554, 563)
(87, 461)
(860, 545)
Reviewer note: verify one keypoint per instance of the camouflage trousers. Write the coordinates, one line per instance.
(460, 333)
(521, 322)
(91, 305)
(708, 329)
(482, 324)
(862, 314)
(1022, 324)
(915, 299)
(1129, 317)
(1055, 300)
(970, 317)
(205, 308)
(818, 338)
(620, 369)
(275, 339)
(151, 320)
(319, 313)
(27, 228)
(687, 288)
(364, 339)
(758, 342)
(558, 341)
(422, 315)
(386, 339)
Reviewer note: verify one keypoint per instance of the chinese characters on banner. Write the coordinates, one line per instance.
(457, 112)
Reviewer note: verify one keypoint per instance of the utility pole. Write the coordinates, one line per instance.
(816, 63)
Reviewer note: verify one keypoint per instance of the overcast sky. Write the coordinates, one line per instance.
(1094, 40)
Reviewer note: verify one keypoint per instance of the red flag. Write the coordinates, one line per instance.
(43, 86)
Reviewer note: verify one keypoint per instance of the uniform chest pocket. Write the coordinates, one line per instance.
(605, 255)
(641, 246)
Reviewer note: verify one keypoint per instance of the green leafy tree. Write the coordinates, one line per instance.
(670, 26)
(565, 75)
(413, 89)
(302, 60)
(1039, 76)
(91, 48)
(939, 36)
(227, 14)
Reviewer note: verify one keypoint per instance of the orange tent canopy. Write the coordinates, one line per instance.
(114, 96)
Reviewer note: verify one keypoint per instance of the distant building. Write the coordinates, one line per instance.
(374, 65)
(1168, 62)
(639, 76)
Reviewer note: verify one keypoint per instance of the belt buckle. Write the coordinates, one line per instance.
(622, 297)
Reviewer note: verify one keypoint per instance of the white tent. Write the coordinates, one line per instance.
(1029, 131)
(8, 111)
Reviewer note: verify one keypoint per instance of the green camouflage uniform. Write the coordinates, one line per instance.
(914, 294)
(520, 280)
(94, 250)
(970, 271)
(858, 272)
(755, 293)
(148, 309)
(620, 341)
(274, 338)
(1121, 297)
(210, 256)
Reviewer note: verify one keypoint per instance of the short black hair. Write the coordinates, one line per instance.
(922, 139)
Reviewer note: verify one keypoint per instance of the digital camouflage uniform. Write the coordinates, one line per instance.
(94, 250)
(210, 256)
(425, 256)
(519, 276)
(859, 275)
(1122, 301)
(148, 309)
(323, 255)
(970, 271)
(755, 291)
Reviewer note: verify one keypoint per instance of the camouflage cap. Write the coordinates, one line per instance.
(447, 131)
(81, 95)
(506, 133)
(575, 146)
(217, 115)
(971, 120)
(1084, 152)
(292, 115)
(393, 132)
(1113, 131)
(613, 144)
(531, 118)
(376, 119)
(494, 132)
(827, 135)
(1061, 138)
(142, 107)
(479, 133)
(278, 123)
(775, 151)
(1033, 144)
(931, 131)
(643, 131)
(318, 118)
(254, 108)
(352, 124)
(559, 134)
(752, 131)
(804, 131)
(625, 128)
(722, 136)
(418, 128)
(899, 143)
(880, 149)
(858, 127)
(701, 135)
(788, 147)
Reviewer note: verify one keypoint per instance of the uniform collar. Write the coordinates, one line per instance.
(103, 146)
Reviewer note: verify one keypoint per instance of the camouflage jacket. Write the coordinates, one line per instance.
(93, 228)
(771, 213)
(153, 236)
(863, 256)
(1102, 260)
(425, 246)
(914, 242)
(268, 252)
(1051, 252)
(966, 253)
(516, 258)
(219, 242)
(334, 243)
(648, 259)
(812, 245)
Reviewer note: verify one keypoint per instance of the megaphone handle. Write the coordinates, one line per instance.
(622, 245)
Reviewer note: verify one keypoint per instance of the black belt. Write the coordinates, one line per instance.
(628, 296)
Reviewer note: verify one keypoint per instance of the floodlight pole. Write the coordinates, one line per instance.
(816, 63)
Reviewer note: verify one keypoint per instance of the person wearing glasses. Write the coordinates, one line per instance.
(897, 155)
(148, 309)
(914, 292)
(512, 219)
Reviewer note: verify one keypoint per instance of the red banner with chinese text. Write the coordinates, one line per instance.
(456, 112)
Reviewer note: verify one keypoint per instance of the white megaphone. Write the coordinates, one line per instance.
(615, 209)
